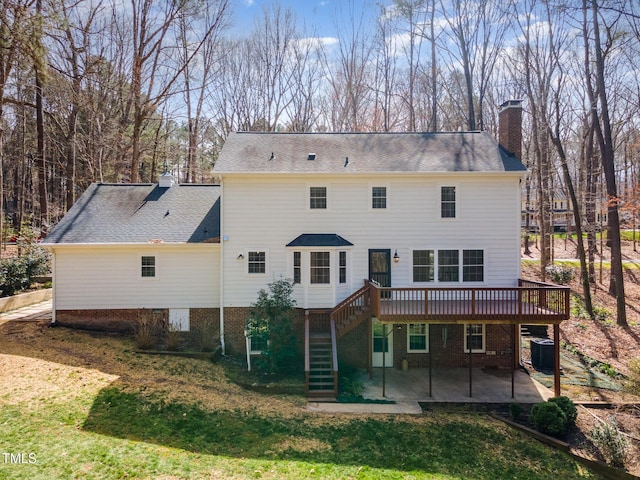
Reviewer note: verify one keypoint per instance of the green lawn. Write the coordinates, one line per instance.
(116, 433)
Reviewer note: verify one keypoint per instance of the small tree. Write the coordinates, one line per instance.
(271, 318)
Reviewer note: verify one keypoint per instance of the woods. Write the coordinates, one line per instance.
(100, 91)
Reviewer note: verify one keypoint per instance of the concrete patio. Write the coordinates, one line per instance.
(448, 385)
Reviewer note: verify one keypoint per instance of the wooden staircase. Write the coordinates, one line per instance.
(321, 381)
(321, 347)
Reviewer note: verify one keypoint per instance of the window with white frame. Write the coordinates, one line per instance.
(257, 262)
(423, 266)
(448, 202)
(318, 198)
(475, 338)
(297, 267)
(320, 271)
(257, 343)
(472, 265)
(342, 260)
(378, 197)
(417, 338)
(448, 266)
(148, 266)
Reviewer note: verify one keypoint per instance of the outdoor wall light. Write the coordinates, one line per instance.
(396, 257)
(240, 256)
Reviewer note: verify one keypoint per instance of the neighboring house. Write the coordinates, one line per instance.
(404, 248)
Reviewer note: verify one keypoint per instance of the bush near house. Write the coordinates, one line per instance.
(554, 416)
(272, 318)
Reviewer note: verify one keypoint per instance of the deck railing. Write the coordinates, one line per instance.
(351, 307)
(533, 302)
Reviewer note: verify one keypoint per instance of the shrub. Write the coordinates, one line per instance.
(560, 274)
(173, 338)
(610, 442)
(568, 408)
(548, 418)
(633, 382)
(16, 274)
(272, 317)
(147, 330)
(204, 335)
(515, 409)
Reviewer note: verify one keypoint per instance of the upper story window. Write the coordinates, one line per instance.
(342, 267)
(423, 266)
(472, 265)
(448, 202)
(257, 262)
(148, 266)
(448, 266)
(320, 268)
(379, 197)
(317, 198)
(297, 267)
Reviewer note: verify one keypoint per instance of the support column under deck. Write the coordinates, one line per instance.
(556, 354)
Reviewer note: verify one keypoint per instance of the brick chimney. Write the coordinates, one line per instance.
(510, 127)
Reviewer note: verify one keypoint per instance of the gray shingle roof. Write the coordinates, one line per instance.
(319, 240)
(127, 213)
(366, 153)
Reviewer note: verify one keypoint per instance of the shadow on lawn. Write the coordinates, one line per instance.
(462, 447)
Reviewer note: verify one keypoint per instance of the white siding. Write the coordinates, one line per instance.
(269, 212)
(109, 277)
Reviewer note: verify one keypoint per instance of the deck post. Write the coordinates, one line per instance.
(384, 360)
(556, 355)
(467, 326)
(430, 357)
(513, 359)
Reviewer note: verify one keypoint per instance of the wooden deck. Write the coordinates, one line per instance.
(530, 303)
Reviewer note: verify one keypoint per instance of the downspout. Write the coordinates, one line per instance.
(53, 288)
(222, 240)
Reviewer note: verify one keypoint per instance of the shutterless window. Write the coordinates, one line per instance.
(297, 267)
(320, 270)
(258, 343)
(448, 202)
(318, 197)
(148, 266)
(343, 267)
(474, 338)
(257, 262)
(379, 197)
(417, 340)
(423, 266)
(472, 265)
(448, 266)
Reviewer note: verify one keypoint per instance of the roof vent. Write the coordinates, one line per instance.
(311, 156)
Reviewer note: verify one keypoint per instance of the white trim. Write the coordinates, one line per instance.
(156, 265)
(246, 262)
(456, 186)
(387, 196)
(327, 188)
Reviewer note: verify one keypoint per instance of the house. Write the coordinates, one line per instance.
(403, 248)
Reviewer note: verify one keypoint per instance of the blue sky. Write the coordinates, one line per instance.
(319, 14)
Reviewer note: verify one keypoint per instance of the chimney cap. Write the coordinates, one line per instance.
(514, 103)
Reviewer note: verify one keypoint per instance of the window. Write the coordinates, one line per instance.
(448, 264)
(317, 198)
(448, 202)
(148, 266)
(297, 267)
(474, 336)
(320, 271)
(417, 338)
(423, 266)
(257, 343)
(257, 262)
(379, 197)
(472, 266)
(343, 267)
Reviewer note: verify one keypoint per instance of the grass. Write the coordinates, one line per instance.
(121, 434)
(86, 406)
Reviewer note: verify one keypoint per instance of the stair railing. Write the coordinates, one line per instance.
(307, 355)
(352, 305)
(334, 353)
